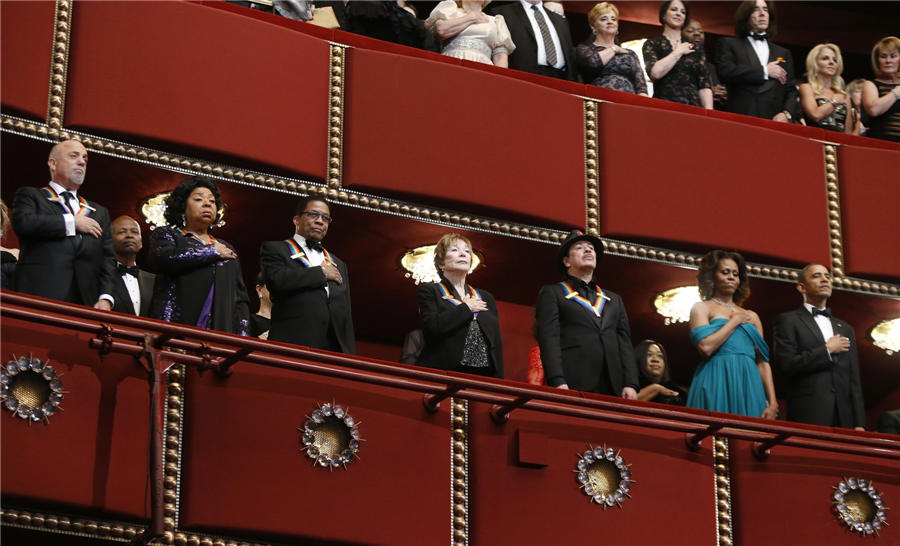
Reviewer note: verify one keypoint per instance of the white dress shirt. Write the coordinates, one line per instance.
(134, 290)
(542, 52)
(68, 217)
(314, 257)
(823, 322)
(761, 47)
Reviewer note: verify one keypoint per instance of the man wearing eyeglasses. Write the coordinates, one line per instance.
(309, 286)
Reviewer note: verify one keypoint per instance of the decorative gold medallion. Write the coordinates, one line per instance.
(859, 506)
(330, 436)
(604, 476)
(30, 389)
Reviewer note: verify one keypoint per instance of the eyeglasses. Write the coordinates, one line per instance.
(315, 215)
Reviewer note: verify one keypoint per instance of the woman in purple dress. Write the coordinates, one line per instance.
(602, 62)
(198, 277)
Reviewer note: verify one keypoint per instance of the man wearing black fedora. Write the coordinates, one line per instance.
(583, 330)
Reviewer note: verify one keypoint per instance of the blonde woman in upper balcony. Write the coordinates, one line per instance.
(468, 33)
(678, 71)
(881, 96)
(825, 102)
(601, 61)
(735, 375)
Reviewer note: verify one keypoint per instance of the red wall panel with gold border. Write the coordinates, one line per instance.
(91, 455)
(870, 206)
(244, 470)
(515, 504)
(681, 178)
(183, 73)
(787, 499)
(485, 139)
(26, 33)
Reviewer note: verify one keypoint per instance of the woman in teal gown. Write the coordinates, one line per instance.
(734, 376)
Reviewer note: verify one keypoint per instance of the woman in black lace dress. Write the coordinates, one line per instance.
(824, 101)
(677, 70)
(881, 96)
(602, 62)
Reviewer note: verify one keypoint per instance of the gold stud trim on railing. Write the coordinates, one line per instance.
(722, 485)
(404, 209)
(591, 169)
(59, 63)
(835, 230)
(459, 472)
(336, 71)
(84, 527)
(172, 457)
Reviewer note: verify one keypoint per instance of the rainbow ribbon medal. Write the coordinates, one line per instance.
(298, 254)
(596, 308)
(53, 196)
(446, 295)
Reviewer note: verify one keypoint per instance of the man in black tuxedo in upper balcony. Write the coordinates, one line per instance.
(309, 287)
(759, 75)
(66, 247)
(818, 353)
(542, 38)
(132, 287)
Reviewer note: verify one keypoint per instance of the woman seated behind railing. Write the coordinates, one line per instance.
(468, 33)
(825, 102)
(653, 370)
(601, 61)
(198, 277)
(460, 323)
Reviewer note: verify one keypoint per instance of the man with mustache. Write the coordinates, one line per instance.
(66, 245)
(309, 286)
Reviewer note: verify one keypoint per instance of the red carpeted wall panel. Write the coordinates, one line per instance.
(244, 471)
(684, 179)
(93, 453)
(870, 208)
(513, 504)
(26, 36)
(787, 498)
(482, 139)
(206, 78)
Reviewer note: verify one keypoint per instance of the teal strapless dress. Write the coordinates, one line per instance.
(729, 381)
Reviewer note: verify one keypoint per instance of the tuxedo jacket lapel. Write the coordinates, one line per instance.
(145, 282)
(807, 319)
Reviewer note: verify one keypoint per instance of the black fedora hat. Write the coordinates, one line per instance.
(573, 237)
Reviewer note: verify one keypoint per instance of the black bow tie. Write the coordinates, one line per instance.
(759, 36)
(315, 245)
(127, 270)
(824, 312)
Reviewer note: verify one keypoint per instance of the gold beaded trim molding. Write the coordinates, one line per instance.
(59, 63)
(173, 426)
(835, 230)
(459, 472)
(52, 523)
(724, 523)
(591, 169)
(336, 73)
(112, 531)
(444, 217)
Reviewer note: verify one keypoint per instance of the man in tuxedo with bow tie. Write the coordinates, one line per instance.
(66, 247)
(759, 75)
(309, 286)
(583, 330)
(818, 353)
(132, 287)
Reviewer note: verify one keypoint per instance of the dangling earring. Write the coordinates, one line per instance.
(183, 221)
